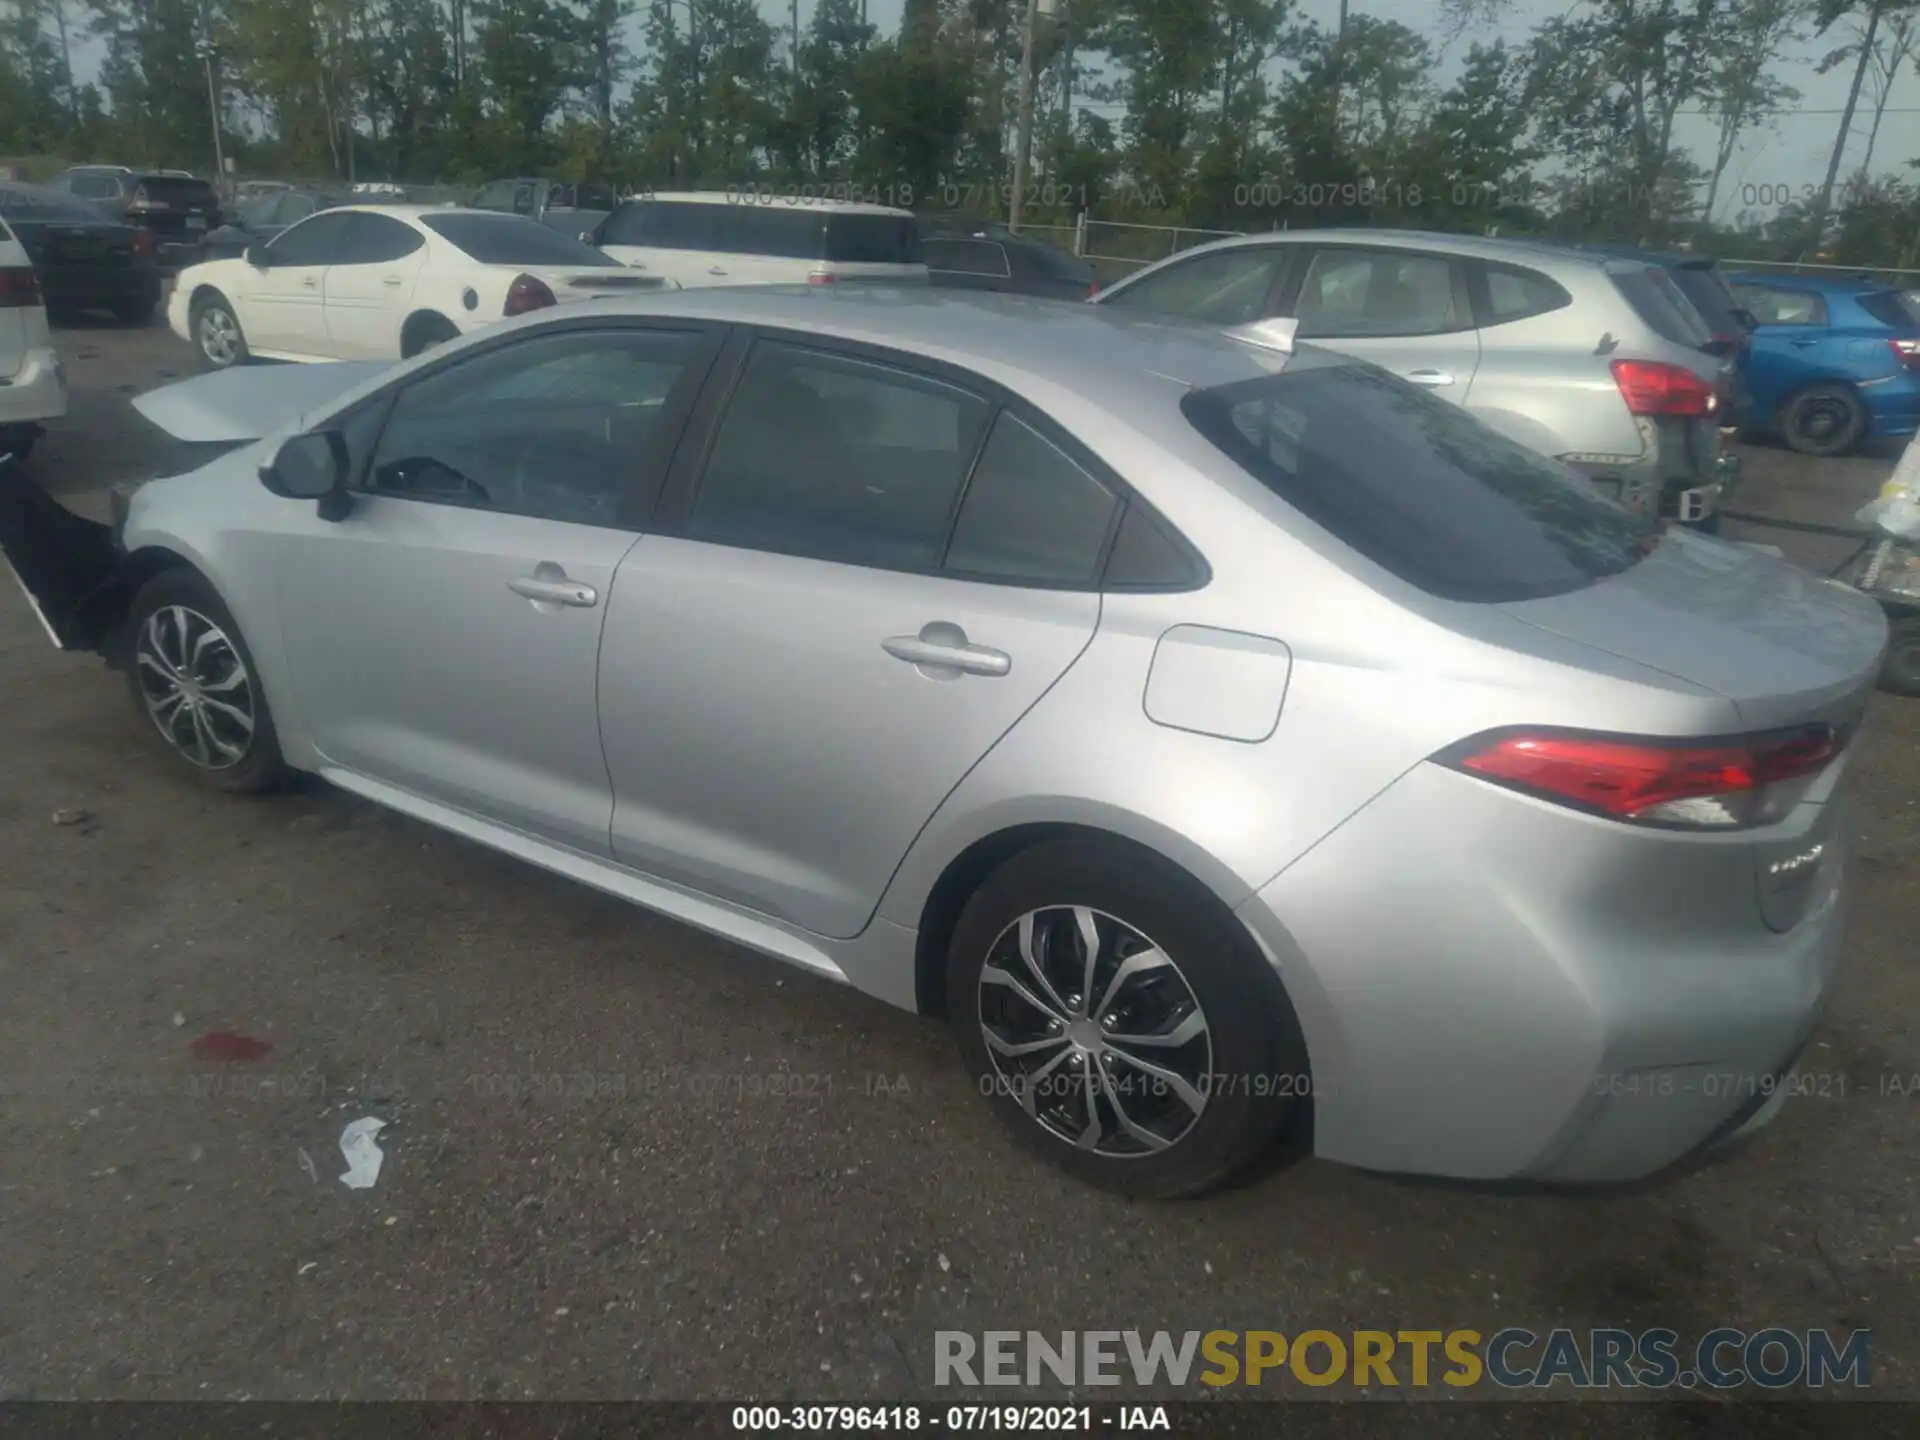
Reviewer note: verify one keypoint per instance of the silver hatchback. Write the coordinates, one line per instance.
(1219, 734)
(1595, 361)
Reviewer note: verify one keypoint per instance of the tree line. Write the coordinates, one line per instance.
(1226, 114)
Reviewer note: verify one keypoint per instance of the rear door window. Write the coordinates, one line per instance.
(1417, 485)
(838, 459)
(379, 239)
(1032, 513)
(1352, 294)
(857, 239)
(787, 232)
(1774, 306)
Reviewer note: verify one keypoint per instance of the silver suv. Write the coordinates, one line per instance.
(1595, 361)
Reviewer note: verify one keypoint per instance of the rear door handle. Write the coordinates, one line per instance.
(312, 282)
(943, 647)
(715, 270)
(1804, 344)
(1430, 377)
(549, 583)
(390, 280)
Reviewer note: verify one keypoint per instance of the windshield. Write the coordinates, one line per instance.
(177, 190)
(1710, 296)
(1418, 486)
(514, 240)
(258, 214)
(1658, 301)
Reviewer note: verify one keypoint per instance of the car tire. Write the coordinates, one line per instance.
(424, 332)
(1824, 420)
(1900, 672)
(16, 444)
(1244, 1059)
(217, 337)
(217, 722)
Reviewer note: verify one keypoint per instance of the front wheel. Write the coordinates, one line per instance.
(196, 686)
(1121, 1022)
(216, 333)
(1824, 420)
(1900, 672)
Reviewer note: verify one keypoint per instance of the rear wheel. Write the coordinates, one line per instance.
(1900, 674)
(216, 333)
(1120, 1021)
(1824, 420)
(194, 682)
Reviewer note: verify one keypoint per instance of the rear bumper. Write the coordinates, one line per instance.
(35, 391)
(1893, 408)
(99, 285)
(1494, 988)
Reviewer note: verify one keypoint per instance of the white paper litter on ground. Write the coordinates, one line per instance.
(362, 1153)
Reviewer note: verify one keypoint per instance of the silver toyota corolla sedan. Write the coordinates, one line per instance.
(1220, 733)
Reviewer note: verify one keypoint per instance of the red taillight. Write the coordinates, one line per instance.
(527, 294)
(18, 287)
(1652, 387)
(143, 243)
(1655, 782)
(822, 277)
(1093, 289)
(1907, 352)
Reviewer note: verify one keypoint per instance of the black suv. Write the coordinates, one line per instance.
(173, 207)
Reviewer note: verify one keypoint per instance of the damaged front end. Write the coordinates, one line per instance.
(72, 569)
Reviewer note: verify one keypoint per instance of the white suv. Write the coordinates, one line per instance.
(33, 387)
(748, 237)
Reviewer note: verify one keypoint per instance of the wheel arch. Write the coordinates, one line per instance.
(410, 328)
(939, 908)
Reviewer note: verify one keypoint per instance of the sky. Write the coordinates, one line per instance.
(1790, 156)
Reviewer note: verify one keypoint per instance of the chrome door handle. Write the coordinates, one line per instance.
(555, 591)
(390, 280)
(1804, 344)
(715, 270)
(1430, 377)
(944, 647)
(311, 282)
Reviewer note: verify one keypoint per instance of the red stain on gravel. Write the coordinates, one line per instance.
(226, 1045)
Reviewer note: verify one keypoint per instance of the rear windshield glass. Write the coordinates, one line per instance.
(32, 203)
(175, 190)
(1059, 265)
(1657, 301)
(1891, 308)
(1710, 296)
(513, 240)
(1418, 486)
(873, 240)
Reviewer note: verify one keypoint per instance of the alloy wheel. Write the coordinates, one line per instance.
(219, 336)
(1093, 1029)
(196, 687)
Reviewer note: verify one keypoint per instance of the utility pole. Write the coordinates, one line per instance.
(1339, 67)
(205, 47)
(1023, 144)
(796, 39)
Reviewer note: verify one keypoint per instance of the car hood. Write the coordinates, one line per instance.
(1783, 644)
(231, 406)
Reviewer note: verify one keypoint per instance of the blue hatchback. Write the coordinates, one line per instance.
(1833, 361)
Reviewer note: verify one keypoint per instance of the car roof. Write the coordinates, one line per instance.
(771, 198)
(1104, 354)
(1824, 284)
(1478, 247)
(64, 199)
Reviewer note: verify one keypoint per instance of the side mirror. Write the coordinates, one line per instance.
(256, 256)
(1747, 318)
(314, 466)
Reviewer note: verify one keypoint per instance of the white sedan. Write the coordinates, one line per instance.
(384, 282)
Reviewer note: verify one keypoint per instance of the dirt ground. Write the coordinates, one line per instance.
(626, 1160)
